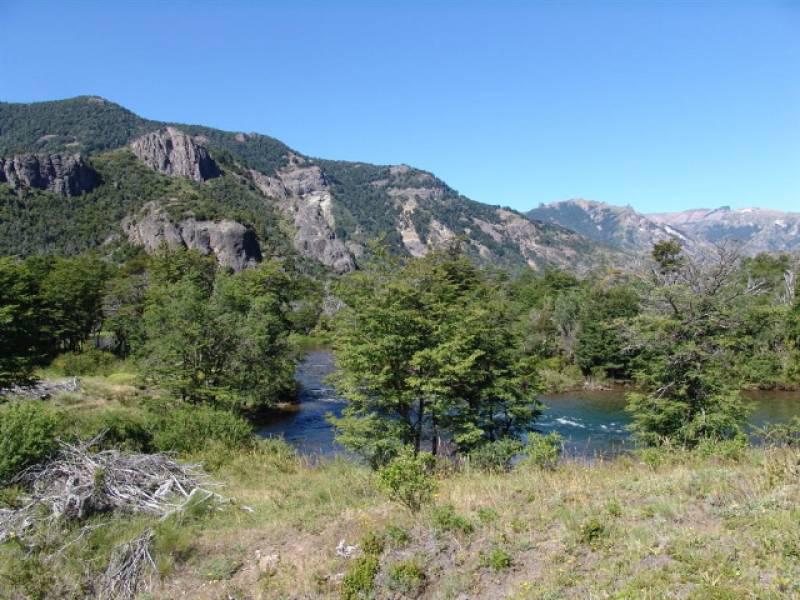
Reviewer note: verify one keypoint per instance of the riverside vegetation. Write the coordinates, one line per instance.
(452, 492)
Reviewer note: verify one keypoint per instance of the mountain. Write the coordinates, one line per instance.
(758, 230)
(616, 226)
(122, 179)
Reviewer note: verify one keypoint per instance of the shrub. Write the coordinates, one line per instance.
(544, 451)
(591, 530)
(495, 456)
(27, 436)
(445, 518)
(782, 434)
(360, 578)
(653, 457)
(189, 429)
(731, 449)
(89, 362)
(407, 577)
(407, 478)
(122, 428)
(486, 515)
(397, 536)
(498, 559)
(373, 543)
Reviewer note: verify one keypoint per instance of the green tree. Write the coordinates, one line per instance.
(600, 343)
(19, 326)
(426, 353)
(213, 336)
(71, 300)
(684, 362)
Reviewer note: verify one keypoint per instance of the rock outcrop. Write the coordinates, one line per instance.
(172, 152)
(303, 193)
(233, 245)
(67, 175)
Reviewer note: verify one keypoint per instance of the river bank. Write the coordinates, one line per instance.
(592, 422)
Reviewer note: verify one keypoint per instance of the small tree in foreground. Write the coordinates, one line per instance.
(408, 478)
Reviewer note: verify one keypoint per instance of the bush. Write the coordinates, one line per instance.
(407, 478)
(592, 530)
(495, 457)
(407, 577)
(731, 449)
(498, 559)
(397, 536)
(373, 543)
(189, 429)
(122, 428)
(27, 436)
(782, 434)
(360, 578)
(445, 518)
(544, 451)
(88, 362)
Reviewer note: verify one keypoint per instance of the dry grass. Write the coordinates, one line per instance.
(692, 527)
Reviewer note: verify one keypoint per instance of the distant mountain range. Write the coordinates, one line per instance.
(86, 173)
(622, 228)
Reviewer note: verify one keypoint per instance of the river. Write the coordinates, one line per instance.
(592, 423)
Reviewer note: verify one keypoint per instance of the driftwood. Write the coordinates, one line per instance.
(78, 483)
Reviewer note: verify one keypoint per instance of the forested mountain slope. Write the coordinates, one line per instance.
(188, 185)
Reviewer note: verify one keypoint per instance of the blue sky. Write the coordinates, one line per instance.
(664, 106)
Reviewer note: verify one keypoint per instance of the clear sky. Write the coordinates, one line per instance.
(661, 105)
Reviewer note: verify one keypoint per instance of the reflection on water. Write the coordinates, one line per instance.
(592, 423)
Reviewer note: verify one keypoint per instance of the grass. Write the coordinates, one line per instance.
(698, 524)
(693, 527)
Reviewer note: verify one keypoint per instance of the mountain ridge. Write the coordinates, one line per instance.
(755, 229)
(327, 210)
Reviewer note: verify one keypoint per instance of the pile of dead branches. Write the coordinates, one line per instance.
(79, 482)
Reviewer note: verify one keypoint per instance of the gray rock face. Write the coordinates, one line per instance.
(304, 195)
(171, 152)
(67, 175)
(233, 245)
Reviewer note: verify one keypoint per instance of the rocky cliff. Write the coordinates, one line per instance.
(303, 193)
(234, 246)
(66, 175)
(172, 152)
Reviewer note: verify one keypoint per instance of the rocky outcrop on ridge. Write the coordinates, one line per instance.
(67, 175)
(233, 245)
(171, 152)
(303, 193)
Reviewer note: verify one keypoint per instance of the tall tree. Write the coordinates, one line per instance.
(684, 361)
(20, 334)
(425, 353)
(216, 337)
